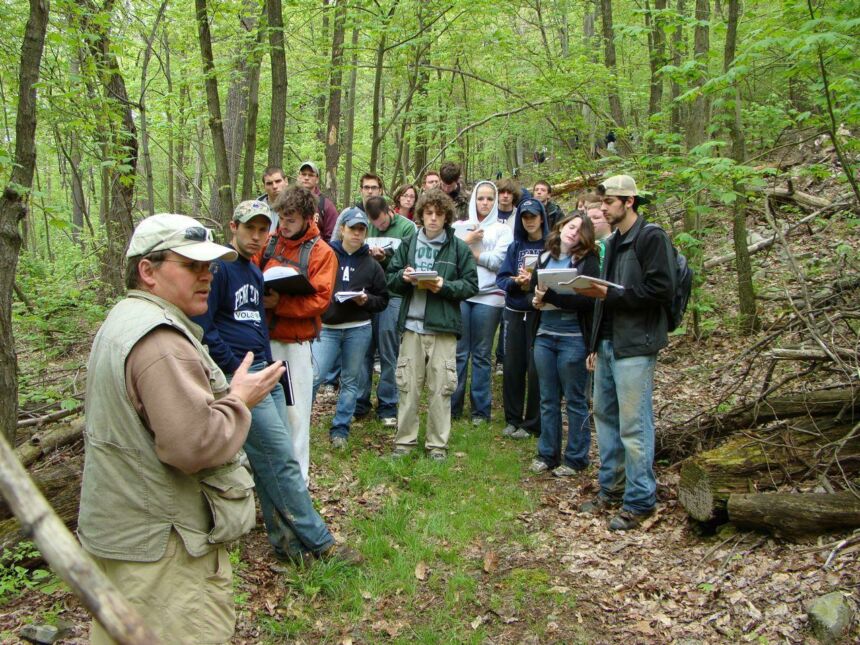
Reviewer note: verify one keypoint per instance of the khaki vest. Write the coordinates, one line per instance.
(130, 500)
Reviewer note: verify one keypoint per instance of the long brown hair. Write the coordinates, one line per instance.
(586, 238)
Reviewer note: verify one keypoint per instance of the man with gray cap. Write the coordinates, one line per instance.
(163, 490)
(234, 325)
(630, 327)
(309, 177)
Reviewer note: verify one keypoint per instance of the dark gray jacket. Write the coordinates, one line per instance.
(646, 268)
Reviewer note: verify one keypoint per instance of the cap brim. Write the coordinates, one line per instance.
(206, 252)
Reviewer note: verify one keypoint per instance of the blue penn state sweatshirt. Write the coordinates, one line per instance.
(236, 320)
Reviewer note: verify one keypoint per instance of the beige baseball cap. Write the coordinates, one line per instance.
(178, 233)
(620, 186)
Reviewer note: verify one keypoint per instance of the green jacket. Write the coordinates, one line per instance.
(130, 500)
(400, 228)
(455, 264)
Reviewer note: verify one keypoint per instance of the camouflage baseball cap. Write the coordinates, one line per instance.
(249, 209)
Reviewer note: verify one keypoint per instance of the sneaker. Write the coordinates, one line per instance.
(377, 367)
(338, 443)
(389, 422)
(566, 471)
(437, 454)
(519, 433)
(627, 520)
(478, 421)
(509, 430)
(400, 451)
(500, 371)
(538, 466)
(341, 553)
(596, 505)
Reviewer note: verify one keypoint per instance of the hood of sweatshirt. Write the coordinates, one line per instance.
(531, 205)
(493, 215)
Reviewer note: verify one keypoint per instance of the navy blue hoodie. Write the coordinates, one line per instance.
(354, 273)
(235, 322)
(515, 298)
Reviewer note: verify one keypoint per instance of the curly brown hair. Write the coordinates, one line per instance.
(440, 202)
(295, 199)
(586, 237)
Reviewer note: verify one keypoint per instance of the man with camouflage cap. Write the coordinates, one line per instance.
(234, 325)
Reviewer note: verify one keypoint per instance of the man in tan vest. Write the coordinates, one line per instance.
(163, 490)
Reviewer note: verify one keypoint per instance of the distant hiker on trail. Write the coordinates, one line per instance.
(630, 327)
(294, 320)
(429, 321)
(488, 239)
(234, 325)
(163, 433)
(347, 331)
(560, 350)
(309, 177)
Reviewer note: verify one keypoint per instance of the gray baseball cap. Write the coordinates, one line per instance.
(311, 165)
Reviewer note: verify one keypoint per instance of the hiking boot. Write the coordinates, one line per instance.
(389, 422)
(400, 452)
(596, 506)
(627, 520)
(509, 430)
(520, 433)
(537, 466)
(338, 443)
(566, 471)
(437, 454)
(301, 560)
(341, 553)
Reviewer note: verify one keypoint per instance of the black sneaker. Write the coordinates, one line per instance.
(597, 505)
(627, 520)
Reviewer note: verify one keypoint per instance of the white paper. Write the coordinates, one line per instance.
(343, 296)
(278, 272)
(383, 242)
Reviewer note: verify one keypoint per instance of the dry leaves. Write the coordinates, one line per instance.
(422, 571)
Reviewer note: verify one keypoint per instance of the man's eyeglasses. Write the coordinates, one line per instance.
(370, 188)
(195, 266)
(192, 233)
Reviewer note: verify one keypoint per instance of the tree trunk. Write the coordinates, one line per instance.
(249, 171)
(678, 48)
(746, 294)
(144, 132)
(376, 119)
(795, 515)
(615, 108)
(332, 142)
(222, 169)
(62, 551)
(184, 143)
(657, 55)
(277, 121)
(13, 206)
(350, 119)
(79, 204)
(697, 125)
(168, 113)
(746, 464)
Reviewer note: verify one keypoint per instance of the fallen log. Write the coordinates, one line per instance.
(818, 403)
(41, 444)
(60, 483)
(748, 464)
(48, 418)
(575, 184)
(810, 354)
(794, 515)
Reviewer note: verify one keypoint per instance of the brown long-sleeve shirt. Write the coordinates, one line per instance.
(168, 385)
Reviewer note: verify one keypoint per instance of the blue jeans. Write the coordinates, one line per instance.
(292, 523)
(479, 330)
(560, 363)
(386, 339)
(349, 346)
(624, 419)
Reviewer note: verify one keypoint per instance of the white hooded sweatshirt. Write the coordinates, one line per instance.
(497, 237)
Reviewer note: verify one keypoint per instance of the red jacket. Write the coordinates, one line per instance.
(297, 318)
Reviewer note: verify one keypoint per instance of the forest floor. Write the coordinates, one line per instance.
(478, 550)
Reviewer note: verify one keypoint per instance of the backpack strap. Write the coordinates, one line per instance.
(269, 251)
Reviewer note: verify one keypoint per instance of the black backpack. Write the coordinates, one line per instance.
(683, 285)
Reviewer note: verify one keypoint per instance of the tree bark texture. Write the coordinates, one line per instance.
(794, 515)
(350, 118)
(62, 551)
(656, 55)
(615, 109)
(332, 139)
(216, 126)
(748, 463)
(277, 53)
(249, 170)
(144, 132)
(678, 47)
(13, 206)
(699, 119)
